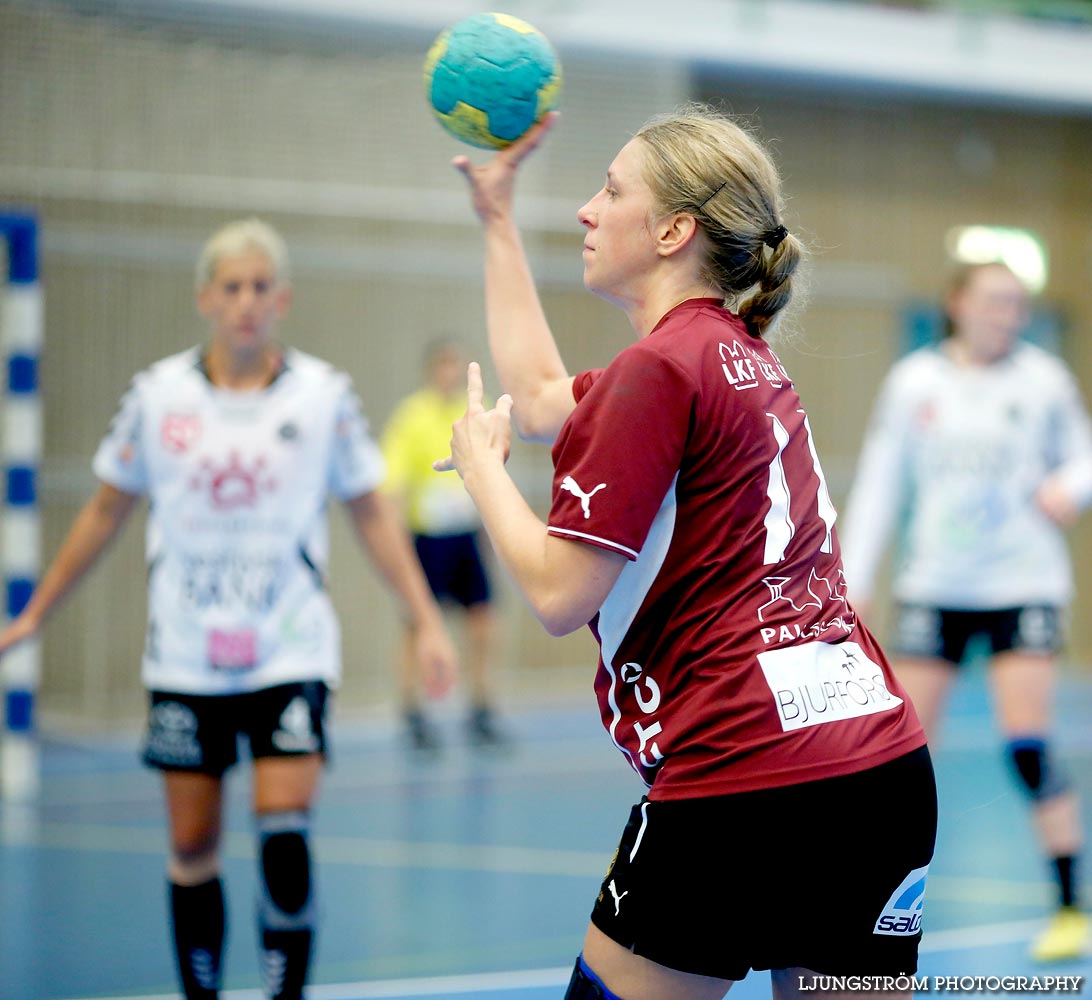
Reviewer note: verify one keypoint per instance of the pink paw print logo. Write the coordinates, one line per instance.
(236, 484)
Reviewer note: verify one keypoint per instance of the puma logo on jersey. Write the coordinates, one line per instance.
(617, 898)
(570, 484)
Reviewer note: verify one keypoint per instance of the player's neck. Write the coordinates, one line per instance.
(966, 356)
(242, 370)
(645, 313)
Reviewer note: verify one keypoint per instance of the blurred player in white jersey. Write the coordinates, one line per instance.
(983, 445)
(238, 445)
(691, 528)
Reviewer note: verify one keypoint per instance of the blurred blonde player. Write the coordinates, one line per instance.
(238, 444)
(982, 441)
(445, 528)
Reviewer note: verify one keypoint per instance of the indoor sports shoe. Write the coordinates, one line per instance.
(423, 737)
(1068, 935)
(483, 731)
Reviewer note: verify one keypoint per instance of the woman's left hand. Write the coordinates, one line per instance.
(481, 435)
(436, 657)
(1057, 503)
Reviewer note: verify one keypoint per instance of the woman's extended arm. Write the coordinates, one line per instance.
(564, 582)
(383, 534)
(96, 525)
(523, 348)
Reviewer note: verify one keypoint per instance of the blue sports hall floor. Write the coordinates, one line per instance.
(470, 875)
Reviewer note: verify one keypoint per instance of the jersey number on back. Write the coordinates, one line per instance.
(778, 522)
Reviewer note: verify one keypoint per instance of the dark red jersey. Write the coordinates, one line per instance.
(730, 658)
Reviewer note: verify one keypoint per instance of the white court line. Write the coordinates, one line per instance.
(484, 982)
(936, 942)
(974, 889)
(983, 936)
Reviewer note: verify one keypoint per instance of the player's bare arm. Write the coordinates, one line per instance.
(99, 521)
(564, 582)
(383, 533)
(523, 348)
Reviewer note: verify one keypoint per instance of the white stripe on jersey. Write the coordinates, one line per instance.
(592, 538)
(625, 600)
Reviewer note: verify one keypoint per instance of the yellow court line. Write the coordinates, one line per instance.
(437, 855)
(359, 851)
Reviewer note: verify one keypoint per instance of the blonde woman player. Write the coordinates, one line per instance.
(691, 528)
(983, 445)
(238, 444)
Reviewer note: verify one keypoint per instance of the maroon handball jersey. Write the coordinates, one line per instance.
(730, 659)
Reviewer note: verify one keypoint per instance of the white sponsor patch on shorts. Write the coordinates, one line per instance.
(901, 917)
(820, 682)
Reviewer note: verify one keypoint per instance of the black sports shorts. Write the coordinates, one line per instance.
(923, 630)
(453, 567)
(188, 732)
(828, 875)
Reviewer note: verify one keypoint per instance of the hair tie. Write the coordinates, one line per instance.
(774, 237)
(712, 194)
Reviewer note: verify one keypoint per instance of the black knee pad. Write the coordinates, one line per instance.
(586, 985)
(285, 862)
(1041, 778)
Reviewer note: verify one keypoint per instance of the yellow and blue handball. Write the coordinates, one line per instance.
(490, 77)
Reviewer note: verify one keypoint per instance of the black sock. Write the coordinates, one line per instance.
(286, 906)
(284, 961)
(1065, 871)
(197, 914)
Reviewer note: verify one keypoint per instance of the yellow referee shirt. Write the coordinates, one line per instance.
(417, 434)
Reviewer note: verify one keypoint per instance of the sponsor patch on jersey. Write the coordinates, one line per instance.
(901, 916)
(234, 483)
(232, 649)
(818, 682)
(180, 431)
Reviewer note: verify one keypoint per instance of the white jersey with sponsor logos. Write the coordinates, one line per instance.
(956, 454)
(237, 535)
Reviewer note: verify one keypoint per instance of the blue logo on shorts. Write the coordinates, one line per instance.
(902, 915)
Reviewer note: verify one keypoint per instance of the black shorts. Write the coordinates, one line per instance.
(827, 875)
(190, 732)
(453, 567)
(945, 633)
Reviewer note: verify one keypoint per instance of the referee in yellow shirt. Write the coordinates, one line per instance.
(445, 529)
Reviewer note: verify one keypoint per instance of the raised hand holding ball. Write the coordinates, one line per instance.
(490, 78)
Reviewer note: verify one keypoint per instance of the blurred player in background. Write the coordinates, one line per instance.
(982, 445)
(445, 526)
(238, 444)
(691, 528)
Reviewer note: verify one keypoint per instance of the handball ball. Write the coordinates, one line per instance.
(490, 77)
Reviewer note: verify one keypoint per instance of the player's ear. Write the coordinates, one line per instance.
(204, 299)
(673, 232)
